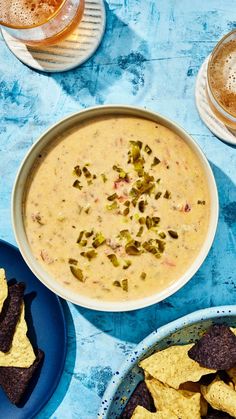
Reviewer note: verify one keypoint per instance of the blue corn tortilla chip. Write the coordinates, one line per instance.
(216, 349)
(15, 380)
(140, 397)
(10, 315)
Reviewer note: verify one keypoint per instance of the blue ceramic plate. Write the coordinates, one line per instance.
(47, 331)
(184, 330)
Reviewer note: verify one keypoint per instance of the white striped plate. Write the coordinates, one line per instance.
(205, 112)
(70, 53)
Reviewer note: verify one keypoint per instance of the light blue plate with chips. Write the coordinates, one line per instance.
(185, 330)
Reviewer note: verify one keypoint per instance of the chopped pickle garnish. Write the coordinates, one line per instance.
(143, 275)
(141, 206)
(104, 178)
(125, 234)
(149, 247)
(77, 184)
(148, 222)
(80, 237)
(83, 243)
(114, 205)
(158, 195)
(134, 193)
(86, 172)
(155, 221)
(99, 240)
(137, 243)
(155, 161)
(201, 202)
(173, 234)
(162, 235)
(124, 284)
(72, 261)
(148, 149)
(128, 263)
(116, 283)
(89, 233)
(127, 203)
(90, 254)
(89, 182)
(167, 195)
(131, 249)
(77, 171)
(146, 185)
(140, 232)
(112, 197)
(139, 183)
(148, 178)
(142, 220)
(137, 143)
(126, 211)
(77, 273)
(138, 167)
(113, 259)
(161, 245)
(135, 153)
(122, 173)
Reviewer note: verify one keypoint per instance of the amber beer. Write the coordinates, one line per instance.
(40, 22)
(221, 80)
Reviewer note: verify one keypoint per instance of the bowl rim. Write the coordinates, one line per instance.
(139, 351)
(17, 215)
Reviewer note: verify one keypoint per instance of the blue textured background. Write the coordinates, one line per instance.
(150, 56)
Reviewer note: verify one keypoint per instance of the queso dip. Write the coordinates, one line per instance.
(117, 208)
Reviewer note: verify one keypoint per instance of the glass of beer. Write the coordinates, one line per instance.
(221, 80)
(40, 22)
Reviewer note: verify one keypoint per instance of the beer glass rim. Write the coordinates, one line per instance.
(9, 25)
(220, 107)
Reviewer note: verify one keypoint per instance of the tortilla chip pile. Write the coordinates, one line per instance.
(18, 361)
(190, 381)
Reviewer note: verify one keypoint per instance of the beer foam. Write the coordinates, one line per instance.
(223, 76)
(27, 12)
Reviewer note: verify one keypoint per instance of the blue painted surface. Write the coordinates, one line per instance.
(150, 55)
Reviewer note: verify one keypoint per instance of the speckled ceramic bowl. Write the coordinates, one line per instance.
(182, 331)
(18, 197)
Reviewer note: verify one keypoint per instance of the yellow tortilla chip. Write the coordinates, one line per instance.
(220, 396)
(21, 353)
(182, 403)
(196, 388)
(141, 413)
(3, 288)
(173, 366)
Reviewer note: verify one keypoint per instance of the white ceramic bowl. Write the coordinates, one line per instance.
(18, 223)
